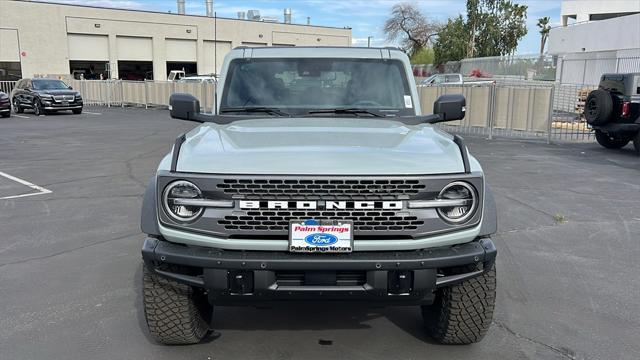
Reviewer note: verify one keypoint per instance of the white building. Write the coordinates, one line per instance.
(596, 37)
(580, 11)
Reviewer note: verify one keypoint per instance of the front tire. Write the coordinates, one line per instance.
(16, 106)
(77, 111)
(636, 143)
(175, 312)
(610, 142)
(37, 108)
(6, 115)
(462, 313)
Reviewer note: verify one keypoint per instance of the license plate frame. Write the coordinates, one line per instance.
(301, 236)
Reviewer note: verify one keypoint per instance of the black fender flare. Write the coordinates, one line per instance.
(149, 213)
(489, 213)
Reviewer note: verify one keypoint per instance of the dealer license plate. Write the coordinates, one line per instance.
(312, 236)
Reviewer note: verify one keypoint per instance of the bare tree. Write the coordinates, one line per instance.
(410, 27)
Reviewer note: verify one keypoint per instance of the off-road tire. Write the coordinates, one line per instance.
(636, 143)
(610, 142)
(462, 313)
(16, 106)
(175, 313)
(599, 107)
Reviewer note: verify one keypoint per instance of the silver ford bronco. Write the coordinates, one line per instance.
(318, 179)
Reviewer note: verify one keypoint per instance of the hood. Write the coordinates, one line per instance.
(319, 146)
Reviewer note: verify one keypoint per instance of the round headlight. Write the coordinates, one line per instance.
(181, 189)
(458, 190)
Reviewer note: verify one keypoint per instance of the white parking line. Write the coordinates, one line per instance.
(92, 113)
(21, 116)
(40, 189)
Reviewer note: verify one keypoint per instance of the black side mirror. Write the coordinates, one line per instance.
(449, 107)
(70, 88)
(186, 107)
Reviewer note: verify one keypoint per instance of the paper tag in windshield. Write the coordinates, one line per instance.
(407, 101)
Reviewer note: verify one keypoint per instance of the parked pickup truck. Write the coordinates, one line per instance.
(316, 181)
(451, 79)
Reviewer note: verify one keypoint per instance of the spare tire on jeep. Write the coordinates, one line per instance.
(599, 107)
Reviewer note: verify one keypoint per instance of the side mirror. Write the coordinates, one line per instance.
(185, 106)
(449, 107)
(70, 88)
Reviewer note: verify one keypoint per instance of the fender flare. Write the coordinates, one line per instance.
(489, 214)
(149, 213)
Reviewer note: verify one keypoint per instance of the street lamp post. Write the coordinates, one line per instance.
(369, 41)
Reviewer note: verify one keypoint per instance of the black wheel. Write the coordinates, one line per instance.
(599, 107)
(37, 108)
(6, 115)
(16, 106)
(175, 313)
(610, 142)
(636, 143)
(77, 111)
(462, 313)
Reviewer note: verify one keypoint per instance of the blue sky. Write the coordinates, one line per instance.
(365, 17)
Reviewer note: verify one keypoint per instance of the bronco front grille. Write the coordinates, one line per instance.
(278, 220)
(272, 222)
(321, 188)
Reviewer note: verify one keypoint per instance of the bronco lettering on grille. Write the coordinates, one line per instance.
(328, 205)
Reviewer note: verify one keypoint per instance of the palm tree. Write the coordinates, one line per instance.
(543, 24)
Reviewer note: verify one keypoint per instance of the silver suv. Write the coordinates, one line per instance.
(318, 179)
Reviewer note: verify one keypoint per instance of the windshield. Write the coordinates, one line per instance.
(49, 85)
(298, 86)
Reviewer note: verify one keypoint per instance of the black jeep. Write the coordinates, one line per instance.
(613, 110)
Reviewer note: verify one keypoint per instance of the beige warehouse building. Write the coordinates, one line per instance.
(39, 39)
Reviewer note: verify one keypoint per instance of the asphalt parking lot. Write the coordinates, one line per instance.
(70, 268)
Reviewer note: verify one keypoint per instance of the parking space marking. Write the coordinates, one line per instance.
(41, 190)
(92, 113)
(21, 116)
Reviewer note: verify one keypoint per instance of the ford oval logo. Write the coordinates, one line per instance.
(321, 239)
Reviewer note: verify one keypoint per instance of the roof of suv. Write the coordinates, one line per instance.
(316, 51)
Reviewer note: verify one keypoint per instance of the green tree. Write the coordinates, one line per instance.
(543, 24)
(423, 56)
(452, 41)
(491, 28)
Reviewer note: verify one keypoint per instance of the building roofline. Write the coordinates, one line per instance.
(175, 14)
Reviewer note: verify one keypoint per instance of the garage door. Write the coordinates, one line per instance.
(134, 48)
(9, 49)
(213, 56)
(88, 47)
(181, 50)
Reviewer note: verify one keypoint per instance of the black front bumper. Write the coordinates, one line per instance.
(243, 277)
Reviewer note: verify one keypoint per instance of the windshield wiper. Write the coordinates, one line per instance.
(255, 109)
(354, 111)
